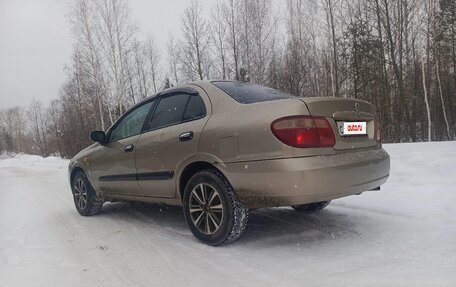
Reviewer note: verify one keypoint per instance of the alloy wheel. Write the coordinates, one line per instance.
(80, 193)
(206, 208)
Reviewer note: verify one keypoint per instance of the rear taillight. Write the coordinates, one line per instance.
(304, 131)
(378, 131)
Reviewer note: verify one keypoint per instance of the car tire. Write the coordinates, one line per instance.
(87, 202)
(213, 212)
(312, 207)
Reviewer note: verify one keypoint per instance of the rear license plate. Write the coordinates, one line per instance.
(352, 128)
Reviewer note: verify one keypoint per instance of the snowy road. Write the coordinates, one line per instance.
(404, 235)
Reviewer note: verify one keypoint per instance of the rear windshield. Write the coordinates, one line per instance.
(247, 93)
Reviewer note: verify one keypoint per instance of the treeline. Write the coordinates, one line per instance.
(398, 54)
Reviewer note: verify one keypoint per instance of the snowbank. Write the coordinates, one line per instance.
(403, 235)
(27, 160)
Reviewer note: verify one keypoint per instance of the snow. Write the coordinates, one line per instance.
(403, 235)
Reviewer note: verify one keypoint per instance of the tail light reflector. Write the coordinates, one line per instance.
(304, 131)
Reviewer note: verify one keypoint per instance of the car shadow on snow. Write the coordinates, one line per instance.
(137, 212)
(268, 226)
(281, 226)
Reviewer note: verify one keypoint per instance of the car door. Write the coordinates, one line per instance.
(113, 166)
(172, 136)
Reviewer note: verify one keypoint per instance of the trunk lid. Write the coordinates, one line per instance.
(343, 110)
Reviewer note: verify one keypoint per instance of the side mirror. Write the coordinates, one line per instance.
(98, 136)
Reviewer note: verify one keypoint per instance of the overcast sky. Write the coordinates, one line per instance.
(35, 43)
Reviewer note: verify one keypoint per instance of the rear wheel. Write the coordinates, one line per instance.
(212, 209)
(85, 199)
(312, 207)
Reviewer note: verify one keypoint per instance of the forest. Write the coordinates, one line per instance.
(400, 55)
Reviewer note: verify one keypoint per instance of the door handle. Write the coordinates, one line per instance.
(183, 137)
(129, 148)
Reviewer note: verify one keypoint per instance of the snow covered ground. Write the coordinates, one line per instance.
(403, 235)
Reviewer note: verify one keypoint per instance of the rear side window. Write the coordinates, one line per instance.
(195, 108)
(247, 93)
(169, 111)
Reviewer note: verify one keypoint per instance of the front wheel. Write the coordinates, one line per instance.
(312, 207)
(85, 199)
(212, 209)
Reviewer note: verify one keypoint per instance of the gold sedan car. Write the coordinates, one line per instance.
(221, 148)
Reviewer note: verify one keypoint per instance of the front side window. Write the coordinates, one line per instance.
(132, 124)
(169, 111)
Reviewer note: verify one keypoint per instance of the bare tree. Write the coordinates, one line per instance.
(426, 101)
(263, 32)
(37, 126)
(173, 59)
(231, 18)
(12, 127)
(219, 35)
(330, 18)
(195, 46)
(153, 59)
(53, 119)
(439, 83)
(297, 58)
(83, 20)
(245, 8)
(116, 36)
(398, 55)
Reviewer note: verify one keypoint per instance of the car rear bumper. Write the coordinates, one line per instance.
(294, 181)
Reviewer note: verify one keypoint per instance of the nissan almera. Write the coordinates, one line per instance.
(222, 148)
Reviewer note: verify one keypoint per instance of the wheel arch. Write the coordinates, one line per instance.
(191, 169)
(73, 172)
(75, 169)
